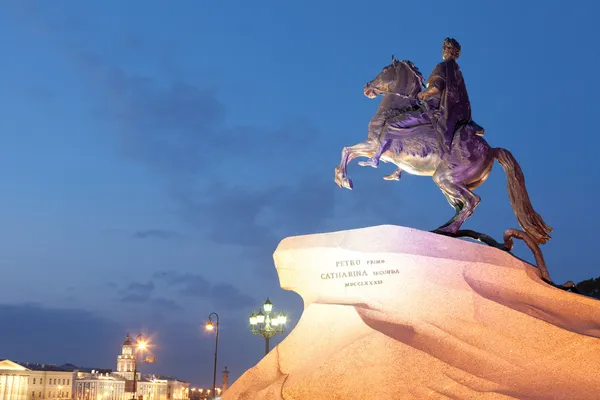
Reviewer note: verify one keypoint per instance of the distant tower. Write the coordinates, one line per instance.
(225, 379)
(126, 361)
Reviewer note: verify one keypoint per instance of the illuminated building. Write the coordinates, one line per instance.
(32, 381)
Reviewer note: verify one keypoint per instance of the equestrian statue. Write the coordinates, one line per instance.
(425, 128)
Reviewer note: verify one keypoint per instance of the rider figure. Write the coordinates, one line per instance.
(447, 100)
(446, 87)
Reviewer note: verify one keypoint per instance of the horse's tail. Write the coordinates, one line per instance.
(530, 221)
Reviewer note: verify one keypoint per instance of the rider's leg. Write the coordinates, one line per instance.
(375, 125)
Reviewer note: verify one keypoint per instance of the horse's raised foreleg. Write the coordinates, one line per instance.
(349, 153)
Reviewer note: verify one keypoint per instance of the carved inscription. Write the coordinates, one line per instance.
(357, 272)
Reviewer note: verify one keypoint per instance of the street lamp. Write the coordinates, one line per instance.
(262, 324)
(210, 326)
(141, 343)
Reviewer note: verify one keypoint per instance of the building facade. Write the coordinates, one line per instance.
(49, 382)
(13, 381)
(30, 381)
(96, 385)
(177, 390)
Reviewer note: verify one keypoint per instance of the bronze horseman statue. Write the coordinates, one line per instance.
(430, 133)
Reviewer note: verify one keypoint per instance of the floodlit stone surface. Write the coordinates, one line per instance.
(431, 317)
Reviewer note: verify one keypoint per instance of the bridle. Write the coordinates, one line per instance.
(379, 91)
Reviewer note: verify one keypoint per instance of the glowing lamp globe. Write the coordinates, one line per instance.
(282, 318)
(268, 306)
(260, 317)
(253, 319)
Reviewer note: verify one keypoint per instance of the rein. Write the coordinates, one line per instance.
(381, 91)
(419, 102)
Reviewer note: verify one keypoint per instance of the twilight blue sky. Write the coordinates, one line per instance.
(154, 153)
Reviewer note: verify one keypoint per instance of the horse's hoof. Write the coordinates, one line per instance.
(342, 181)
(348, 184)
(394, 176)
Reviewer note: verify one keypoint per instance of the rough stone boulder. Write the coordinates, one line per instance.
(398, 313)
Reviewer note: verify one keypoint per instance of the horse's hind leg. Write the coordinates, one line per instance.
(451, 182)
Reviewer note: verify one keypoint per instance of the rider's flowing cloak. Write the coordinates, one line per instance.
(455, 107)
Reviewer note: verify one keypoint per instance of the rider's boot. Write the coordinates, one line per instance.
(374, 161)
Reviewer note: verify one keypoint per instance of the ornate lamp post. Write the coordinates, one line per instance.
(265, 325)
(210, 326)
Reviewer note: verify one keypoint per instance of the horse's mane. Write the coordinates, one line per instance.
(415, 71)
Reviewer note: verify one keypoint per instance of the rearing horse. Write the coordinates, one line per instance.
(416, 150)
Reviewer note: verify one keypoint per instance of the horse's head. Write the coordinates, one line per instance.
(400, 77)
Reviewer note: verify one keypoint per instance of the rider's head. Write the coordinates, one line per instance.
(450, 49)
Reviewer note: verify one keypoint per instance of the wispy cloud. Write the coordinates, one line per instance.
(137, 292)
(195, 285)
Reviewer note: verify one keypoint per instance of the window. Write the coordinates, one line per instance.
(33, 394)
(41, 380)
(34, 381)
(68, 382)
